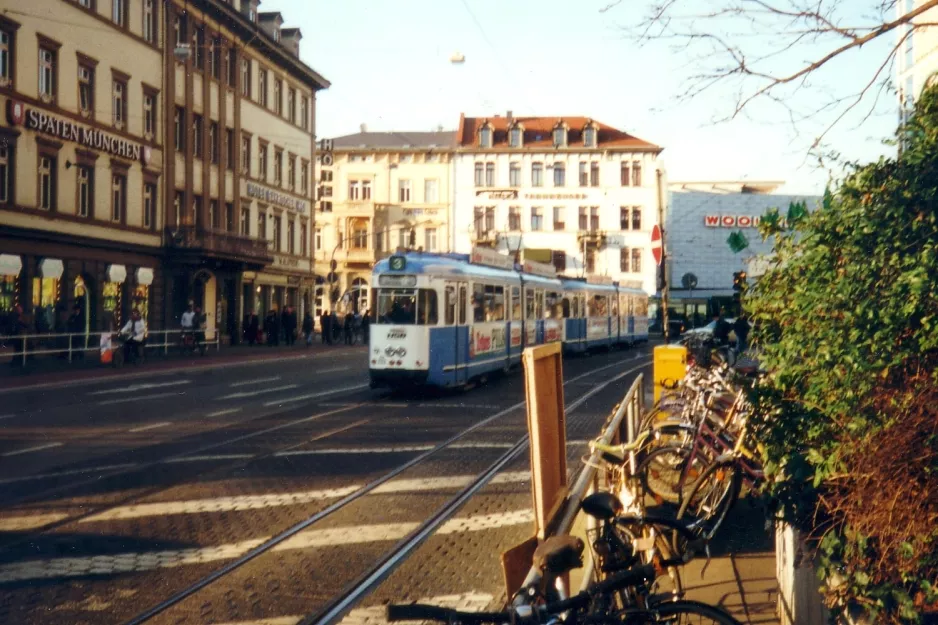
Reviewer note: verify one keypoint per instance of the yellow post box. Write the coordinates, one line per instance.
(670, 367)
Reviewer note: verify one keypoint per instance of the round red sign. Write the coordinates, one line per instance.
(656, 244)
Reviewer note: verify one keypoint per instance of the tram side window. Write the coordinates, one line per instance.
(567, 308)
(516, 303)
(598, 306)
(539, 301)
(450, 304)
(554, 308)
(478, 303)
(427, 313)
(494, 303)
(529, 307)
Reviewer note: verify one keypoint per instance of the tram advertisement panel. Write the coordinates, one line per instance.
(515, 335)
(597, 328)
(486, 339)
(552, 330)
(641, 325)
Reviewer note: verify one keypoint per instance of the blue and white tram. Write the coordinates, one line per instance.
(442, 320)
(447, 319)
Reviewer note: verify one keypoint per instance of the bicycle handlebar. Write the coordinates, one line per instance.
(631, 577)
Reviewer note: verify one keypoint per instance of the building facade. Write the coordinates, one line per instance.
(917, 56)
(379, 191)
(699, 220)
(82, 163)
(132, 162)
(241, 123)
(570, 191)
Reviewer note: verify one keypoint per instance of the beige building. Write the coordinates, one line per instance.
(378, 191)
(241, 110)
(154, 152)
(81, 162)
(917, 57)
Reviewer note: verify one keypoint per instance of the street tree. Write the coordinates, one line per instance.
(780, 51)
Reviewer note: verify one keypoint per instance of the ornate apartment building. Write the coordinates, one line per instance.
(154, 152)
(570, 191)
(379, 191)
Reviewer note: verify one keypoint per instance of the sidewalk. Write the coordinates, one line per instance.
(48, 370)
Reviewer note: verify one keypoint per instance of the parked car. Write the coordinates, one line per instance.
(706, 331)
(676, 327)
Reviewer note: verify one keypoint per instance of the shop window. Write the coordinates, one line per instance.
(45, 296)
(141, 300)
(111, 297)
(9, 293)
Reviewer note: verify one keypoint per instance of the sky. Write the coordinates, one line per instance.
(389, 65)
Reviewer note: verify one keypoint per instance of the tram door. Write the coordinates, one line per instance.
(459, 294)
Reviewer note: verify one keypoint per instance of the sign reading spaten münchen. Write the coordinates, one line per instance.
(280, 199)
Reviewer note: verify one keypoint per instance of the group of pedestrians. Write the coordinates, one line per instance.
(278, 327)
(347, 330)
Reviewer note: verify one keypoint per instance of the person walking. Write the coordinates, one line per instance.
(135, 332)
(285, 324)
(349, 327)
(200, 322)
(272, 327)
(253, 328)
(366, 326)
(741, 328)
(308, 328)
(335, 325)
(291, 326)
(325, 327)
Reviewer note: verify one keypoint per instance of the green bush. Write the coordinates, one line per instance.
(847, 319)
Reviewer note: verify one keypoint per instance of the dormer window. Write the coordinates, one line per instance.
(560, 137)
(252, 15)
(485, 136)
(515, 137)
(589, 137)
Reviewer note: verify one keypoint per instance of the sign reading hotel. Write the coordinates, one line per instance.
(87, 136)
(275, 197)
(732, 221)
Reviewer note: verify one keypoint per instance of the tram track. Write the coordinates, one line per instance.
(394, 557)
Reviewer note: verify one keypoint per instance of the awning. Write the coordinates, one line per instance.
(10, 265)
(51, 268)
(116, 273)
(144, 276)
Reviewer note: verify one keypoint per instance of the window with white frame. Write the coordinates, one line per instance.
(514, 218)
(354, 190)
(85, 194)
(262, 161)
(589, 137)
(515, 137)
(46, 182)
(584, 174)
(479, 174)
(85, 89)
(149, 21)
(118, 197)
(291, 172)
(594, 174)
(560, 137)
(149, 205)
(537, 218)
(149, 115)
(278, 167)
(490, 174)
(477, 218)
(594, 218)
(403, 190)
(119, 103)
(485, 136)
(6, 173)
(636, 173)
(559, 221)
(537, 174)
(119, 12)
(624, 213)
(636, 260)
(431, 191)
(560, 175)
(197, 135)
(366, 189)
(514, 175)
(262, 86)
(6, 57)
(636, 218)
(47, 74)
(430, 240)
(624, 260)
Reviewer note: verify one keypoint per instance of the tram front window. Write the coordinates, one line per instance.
(406, 307)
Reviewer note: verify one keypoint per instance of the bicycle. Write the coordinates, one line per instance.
(539, 602)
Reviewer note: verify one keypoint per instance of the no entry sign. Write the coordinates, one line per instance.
(656, 244)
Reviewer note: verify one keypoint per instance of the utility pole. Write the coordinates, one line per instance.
(664, 277)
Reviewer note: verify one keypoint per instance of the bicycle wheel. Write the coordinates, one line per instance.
(712, 497)
(665, 474)
(637, 531)
(681, 613)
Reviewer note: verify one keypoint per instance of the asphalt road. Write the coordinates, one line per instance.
(117, 497)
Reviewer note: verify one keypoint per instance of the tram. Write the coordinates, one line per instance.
(446, 320)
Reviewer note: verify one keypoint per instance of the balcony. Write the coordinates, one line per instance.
(485, 238)
(590, 236)
(360, 255)
(198, 243)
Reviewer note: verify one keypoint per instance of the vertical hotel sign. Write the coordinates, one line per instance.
(87, 136)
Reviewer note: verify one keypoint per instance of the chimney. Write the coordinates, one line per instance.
(510, 117)
(363, 128)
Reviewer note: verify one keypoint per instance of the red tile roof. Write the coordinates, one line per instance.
(538, 133)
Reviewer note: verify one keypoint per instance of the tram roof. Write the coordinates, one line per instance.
(451, 264)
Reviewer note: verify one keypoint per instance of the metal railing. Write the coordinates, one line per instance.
(621, 426)
(219, 242)
(72, 344)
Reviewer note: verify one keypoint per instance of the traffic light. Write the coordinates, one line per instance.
(739, 281)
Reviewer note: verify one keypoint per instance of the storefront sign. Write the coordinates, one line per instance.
(498, 194)
(286, 261)
(555, 196)
(10, 265)
(116, 273)
(144, 276)
(732, 221)
(485, 256)
(429, 212)
(87, 136)
(275, 197)
(51, 268)
(539, 269)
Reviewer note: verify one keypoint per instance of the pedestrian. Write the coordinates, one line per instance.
(285, 324)
(325, 327)
(349, 327)
(366, 326)
(308, 328)
(19, 326)
(254, 328)
(272, 326)
(135, 333)
(721, 329)
(292, 327)
(335, 325)
(741, 327)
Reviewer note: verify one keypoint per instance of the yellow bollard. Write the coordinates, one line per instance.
(670, 367)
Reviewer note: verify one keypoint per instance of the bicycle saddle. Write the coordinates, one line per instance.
(602, 506)
(559, 554)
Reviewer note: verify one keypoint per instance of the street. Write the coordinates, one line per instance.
(243, 492)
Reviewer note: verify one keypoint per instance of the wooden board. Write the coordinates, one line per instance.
(543, 384)
(516, 562)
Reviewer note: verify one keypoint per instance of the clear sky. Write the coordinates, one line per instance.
(389, 64)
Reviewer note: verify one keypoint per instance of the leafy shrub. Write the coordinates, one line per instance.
(848, 322)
